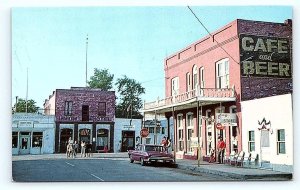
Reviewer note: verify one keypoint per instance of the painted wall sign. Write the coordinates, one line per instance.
(263, 56)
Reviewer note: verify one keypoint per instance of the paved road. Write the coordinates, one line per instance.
(99, 170)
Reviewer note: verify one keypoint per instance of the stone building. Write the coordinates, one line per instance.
(83, 114)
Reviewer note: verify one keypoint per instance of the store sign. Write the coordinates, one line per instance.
(194, 142)
(128, 127)
(25, 124)
(226, 119)
(263, 56)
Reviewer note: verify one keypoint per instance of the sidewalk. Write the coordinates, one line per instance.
(238, 173)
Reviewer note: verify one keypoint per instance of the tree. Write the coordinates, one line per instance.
(129, 100)
(101, 79)
(21, 106)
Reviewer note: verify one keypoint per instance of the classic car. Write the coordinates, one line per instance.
(146, 153)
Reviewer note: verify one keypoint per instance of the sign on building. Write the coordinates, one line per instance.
(226, 119)
(264, 56)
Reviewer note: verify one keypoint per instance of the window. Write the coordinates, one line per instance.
(201, 76)
(180, 132)
(162, 130)
(37, 139)
(251, 141)
(190, 120)
(180, 139)
(195, 78)
(14, 139)
(222, 74)
(179, 119)
(102, 138)
(175, 86)
(85, 113)
(188, 82)
(280, 141)
(102, 108)
(68, 107)
(151, 129)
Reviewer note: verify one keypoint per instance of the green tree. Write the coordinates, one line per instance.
(101, 79)
(21, 106)
(129, 100)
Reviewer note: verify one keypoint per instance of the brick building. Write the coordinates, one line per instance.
(206, 82)
(84, 114)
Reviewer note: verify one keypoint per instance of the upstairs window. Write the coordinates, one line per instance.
(222, 73)
(201, 76)
(68, 107)
(188, 82)
(102, 108)
(85, 113)
(175, 86)
(195, 78)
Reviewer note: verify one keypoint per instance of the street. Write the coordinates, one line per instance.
(101, 170)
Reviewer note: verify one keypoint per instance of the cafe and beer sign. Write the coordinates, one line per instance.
(263, 56)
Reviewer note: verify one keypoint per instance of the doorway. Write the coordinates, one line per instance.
(64, 138)
(127, 140)
(25, 143)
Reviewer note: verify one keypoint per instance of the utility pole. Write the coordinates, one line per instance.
(16, 103)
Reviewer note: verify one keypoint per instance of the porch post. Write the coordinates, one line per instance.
(175, 133)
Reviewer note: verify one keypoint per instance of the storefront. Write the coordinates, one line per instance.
(32, 134)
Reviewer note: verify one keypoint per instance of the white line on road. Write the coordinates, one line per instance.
(97, 177)
(70, 164)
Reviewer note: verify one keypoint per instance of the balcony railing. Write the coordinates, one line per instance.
(209, 93)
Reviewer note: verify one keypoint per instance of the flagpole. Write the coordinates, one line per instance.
(27, 92)
(86, 50)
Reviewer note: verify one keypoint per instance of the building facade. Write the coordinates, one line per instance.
(127, 134)
(206, 82)
(83, 114)
(268, 132)
(32, 133)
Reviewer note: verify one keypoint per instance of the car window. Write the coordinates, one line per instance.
(153, 148)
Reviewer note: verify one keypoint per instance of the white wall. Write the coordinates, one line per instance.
(122, 124)
(277, 110)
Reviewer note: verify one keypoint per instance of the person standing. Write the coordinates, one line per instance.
(164, 141)
(83, 149)
(221, 149)
(169, 145)
(75, 147)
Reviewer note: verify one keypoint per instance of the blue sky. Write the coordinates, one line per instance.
(132, 41)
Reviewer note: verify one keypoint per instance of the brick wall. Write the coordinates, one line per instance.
(258, 87)
(90, 97)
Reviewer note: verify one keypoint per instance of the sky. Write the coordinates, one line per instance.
(132, 41)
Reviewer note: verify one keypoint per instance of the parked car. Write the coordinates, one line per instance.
(146, 153)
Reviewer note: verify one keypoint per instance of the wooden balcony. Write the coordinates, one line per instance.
(204, 95)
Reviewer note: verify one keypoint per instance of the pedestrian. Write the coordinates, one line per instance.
(89, 149)
(164, 142)
(83, 146)
(221, 149)
(212, 156)
(169, 145)
(75, 147)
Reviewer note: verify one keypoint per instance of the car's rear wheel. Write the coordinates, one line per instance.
(142, 162)
(131, 160)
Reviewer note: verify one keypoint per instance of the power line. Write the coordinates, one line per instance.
(212, 35)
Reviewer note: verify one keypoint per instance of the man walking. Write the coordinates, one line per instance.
(221, 149)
